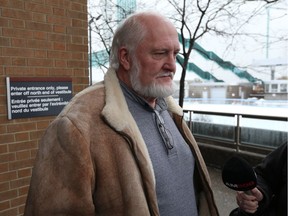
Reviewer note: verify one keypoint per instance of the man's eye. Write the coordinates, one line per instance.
(159, 55)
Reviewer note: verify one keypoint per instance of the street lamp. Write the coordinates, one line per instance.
(90, 46)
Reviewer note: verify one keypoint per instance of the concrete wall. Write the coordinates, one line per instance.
(39, 38)
(229, 91)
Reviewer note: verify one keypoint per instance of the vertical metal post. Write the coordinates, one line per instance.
(237, 138)
(267, 32)
(190, 120)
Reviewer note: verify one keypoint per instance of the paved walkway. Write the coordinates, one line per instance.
(225, 197)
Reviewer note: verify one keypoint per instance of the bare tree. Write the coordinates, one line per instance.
(193, 19)
(103, 22)
(104, 15)
(197, 18)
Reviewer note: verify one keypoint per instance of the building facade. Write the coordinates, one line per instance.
(42, 39)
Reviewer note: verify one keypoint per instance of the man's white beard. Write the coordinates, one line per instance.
(152, 90)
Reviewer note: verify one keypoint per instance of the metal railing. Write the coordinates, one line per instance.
(236, 137)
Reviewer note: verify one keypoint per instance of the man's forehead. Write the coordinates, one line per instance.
(161, 44)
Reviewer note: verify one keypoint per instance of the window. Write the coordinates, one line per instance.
(274, 87)
(267, 89)
(283, 87)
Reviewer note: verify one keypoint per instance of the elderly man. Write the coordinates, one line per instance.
(121, 146)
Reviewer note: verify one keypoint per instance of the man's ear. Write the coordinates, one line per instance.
(124, 58)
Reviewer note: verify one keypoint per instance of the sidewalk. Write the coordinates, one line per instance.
(225, 197)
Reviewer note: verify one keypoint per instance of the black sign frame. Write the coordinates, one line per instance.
(37, 96)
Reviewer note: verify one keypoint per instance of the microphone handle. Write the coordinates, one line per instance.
(248, 192)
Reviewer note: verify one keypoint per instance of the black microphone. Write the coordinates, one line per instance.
(237, 174)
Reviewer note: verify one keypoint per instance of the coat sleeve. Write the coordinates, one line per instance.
(272, 175)
(63, 177)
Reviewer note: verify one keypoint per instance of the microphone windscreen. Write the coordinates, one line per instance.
(238, 175)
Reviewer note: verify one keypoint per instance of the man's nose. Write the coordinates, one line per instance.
(170, 63)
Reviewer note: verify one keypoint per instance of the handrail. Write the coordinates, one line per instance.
(238, 116)
(276, 118)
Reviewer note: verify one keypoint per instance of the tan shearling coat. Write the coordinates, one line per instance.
(92, 160)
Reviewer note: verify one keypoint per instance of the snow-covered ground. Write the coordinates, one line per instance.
(241, 107)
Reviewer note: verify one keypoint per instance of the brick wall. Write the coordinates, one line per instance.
(38, 38)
